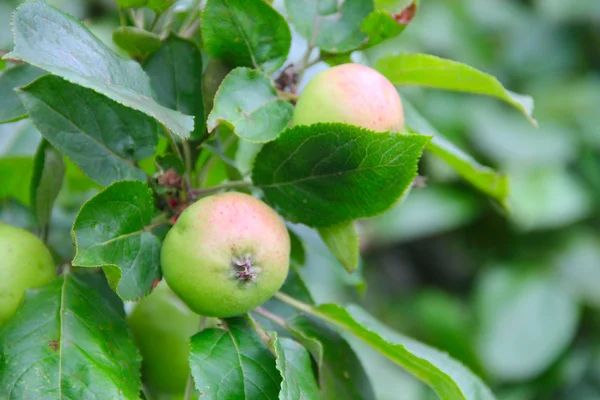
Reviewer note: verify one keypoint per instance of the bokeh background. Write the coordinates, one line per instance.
(513, 295)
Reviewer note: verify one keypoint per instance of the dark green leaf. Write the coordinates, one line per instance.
(450, 379)
(246, 33)
(430, 71)
(58, 43)
(380, 26)
(334, 59)
(15, 175)
(326, 174)
(131, 3)
(232, 363)
(67, 342)
(135, 41)
(294, 365)
(175, 72)
(170, 160)
(11, 108)
(512, 344)
(159, 6)
(100, 136)
(110, 231)
(331, 25)
(48, 174)
(247, 101)
(342, 240)
(341, 375)
(487, 180)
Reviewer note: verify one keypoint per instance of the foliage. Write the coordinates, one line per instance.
(111, 127)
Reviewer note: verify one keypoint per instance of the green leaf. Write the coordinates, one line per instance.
(331, 25)
(159, 6)
(48, 174)
(63, 343)
(100, 136)
(247, 101)
(333, 59)
(326, 174)
(170, 160)
(52, 40)
(512, 345)
(341, 375)
(131, 3)
(246, 33)
(111, 231)
(11, 108)
(294, 365)
(135, 41)
(381, 26)
(232, 363)
(16, 173)
(342, 240)
(487, 180)
(448, 378)
(430, 71)
(175, 74)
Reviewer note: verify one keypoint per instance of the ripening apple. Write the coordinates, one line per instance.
(25, 262)
(161, 325)
(227, 254)
(353, 94)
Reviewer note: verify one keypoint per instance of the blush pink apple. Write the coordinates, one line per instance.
(226, 255)
(353, 94)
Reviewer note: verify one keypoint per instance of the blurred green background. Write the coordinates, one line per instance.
(513, 295)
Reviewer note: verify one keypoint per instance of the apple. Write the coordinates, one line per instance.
(226, 254)
(353, 94)
(25, 262)
(161, 325)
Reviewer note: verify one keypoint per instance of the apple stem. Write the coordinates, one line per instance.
(295, 303)
(261, 333)
(272, 317)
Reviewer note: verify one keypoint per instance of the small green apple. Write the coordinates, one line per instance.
(353, 94)
(161, 325)
(25, 262)
(226, 255)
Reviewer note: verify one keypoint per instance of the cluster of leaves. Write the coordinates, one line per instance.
(190, 114)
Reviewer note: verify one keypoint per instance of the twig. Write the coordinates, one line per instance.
(190, 31)
(187, 155)
(261, 333)
(122, 17)
(191, 18)
(210, 162)
(272, 317)
(296, 304)
(175, 148)
(304, 63)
